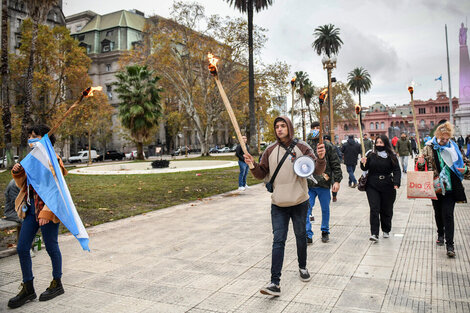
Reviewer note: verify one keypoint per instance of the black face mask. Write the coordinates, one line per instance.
(380, 148)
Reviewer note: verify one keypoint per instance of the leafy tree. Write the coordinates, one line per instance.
(359, 81)
(327, 40)
(139, 109)
(300, 81)
(38, 10)
(247, 6)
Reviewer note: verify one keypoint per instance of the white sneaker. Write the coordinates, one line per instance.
(386, 235)
(241, 188)
(246, 186)
(374, 238)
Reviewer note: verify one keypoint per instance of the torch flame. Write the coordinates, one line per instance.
(89, 91)
(323, 95)
(357, 107)
(410, 89)
(212, 63)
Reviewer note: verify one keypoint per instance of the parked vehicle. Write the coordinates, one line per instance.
(112, 155)
(234, 147)
(180, 151)
(224, 150)
(133, 155)
(213, 150)
(83, 156)
(4, 162)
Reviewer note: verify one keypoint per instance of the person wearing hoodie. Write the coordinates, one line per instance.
(331, 178)
(289, 199)
(403, 149)
(351, 150)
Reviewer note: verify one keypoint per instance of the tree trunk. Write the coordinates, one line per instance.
(251, 80)
(309, 111)
(6, 113)
(89, 148)
(27, 120)
(140, 151)
(360, 99)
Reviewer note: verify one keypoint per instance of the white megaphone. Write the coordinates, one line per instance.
(304, 166)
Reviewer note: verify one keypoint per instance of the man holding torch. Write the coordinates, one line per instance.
(290, 196)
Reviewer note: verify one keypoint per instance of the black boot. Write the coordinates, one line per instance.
(27, 293)
(450, 251)
(52, 291)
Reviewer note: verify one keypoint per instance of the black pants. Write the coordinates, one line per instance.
(444, 215)
(381, 209)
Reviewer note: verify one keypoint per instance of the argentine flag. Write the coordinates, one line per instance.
(44, 174)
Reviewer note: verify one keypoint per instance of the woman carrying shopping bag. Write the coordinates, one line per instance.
(442, 156)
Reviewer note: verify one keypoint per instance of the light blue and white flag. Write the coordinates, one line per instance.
(45, 175)
(439, 78)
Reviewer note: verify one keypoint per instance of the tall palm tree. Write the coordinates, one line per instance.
(309, 91)
(301, 79)
(38, 10)
(139, 108)
(359, 81)
(247, 6)
(327, 40)
(6, 113)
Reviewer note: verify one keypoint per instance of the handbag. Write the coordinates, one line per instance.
(420, 184)
(362, 182)
(270, 184)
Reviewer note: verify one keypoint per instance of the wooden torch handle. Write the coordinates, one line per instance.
(233, 119)
(361, 136)
(418, 142)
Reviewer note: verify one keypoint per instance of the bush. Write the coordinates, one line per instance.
(160, 163)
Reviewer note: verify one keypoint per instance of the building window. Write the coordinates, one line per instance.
(109, 92)
(447, 109)
(18, 41)
(55, 17)
(79, 28)
(432, 123)
(422, 110)
(345, 127)
(377, 125)
(109, 33)
(81, 37)
(108, 67)
(382, 125)
(422, 123)
(18, 23)
(371, 125)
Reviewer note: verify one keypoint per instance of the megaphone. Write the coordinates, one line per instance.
(304, 166)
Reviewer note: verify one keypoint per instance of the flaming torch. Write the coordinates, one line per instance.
(418, 142)
(85, 94)
(321, 100)
(359, 123)
(292, 83)
(213, 70)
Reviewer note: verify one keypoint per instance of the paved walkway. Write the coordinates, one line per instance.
(214, 256)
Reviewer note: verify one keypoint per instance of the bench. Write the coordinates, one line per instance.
(5, 224)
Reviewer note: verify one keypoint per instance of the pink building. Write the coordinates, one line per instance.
(379, 119)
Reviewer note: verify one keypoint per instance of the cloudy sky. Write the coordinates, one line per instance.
(396, 41)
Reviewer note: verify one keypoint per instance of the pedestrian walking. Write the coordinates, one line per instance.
(403, 149)
(467, 143)
(414, 146)
(327, 138)
(382, 182)
(394, 141)
(443, 157)
(35, 215)
(351, 150)
(330, 178)
(289, 200)
(242, 185)
(460, 141)
(368, 143)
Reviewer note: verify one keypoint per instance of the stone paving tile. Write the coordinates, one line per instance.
(318, 296)
(222, 302)
(262, 304)
(361, 301)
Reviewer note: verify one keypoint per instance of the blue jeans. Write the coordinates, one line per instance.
(280, 217)
(351, 169)
(325, 197)
(468, 151)
(243, 173)
(404, 162)
(50, 233)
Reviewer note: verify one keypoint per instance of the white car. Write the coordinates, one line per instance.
(224, 150)
(83, 156)
(4, 162)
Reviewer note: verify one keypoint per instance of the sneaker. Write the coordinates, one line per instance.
(304, 275)
(334, 199)
(324, 236)
(440, 240)
(386, 235)
(271, 290)
(241, 188)
(309, 240)
(374, 238)
(246, 186)
(450, 251)
(354, 185)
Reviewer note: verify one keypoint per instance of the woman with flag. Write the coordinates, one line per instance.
(442, 156)
(36, 214)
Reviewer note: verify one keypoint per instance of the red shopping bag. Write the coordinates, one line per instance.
(420, 184)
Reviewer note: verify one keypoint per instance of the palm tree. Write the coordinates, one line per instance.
(247, 6)
(38, 10)
(309, 92)
(327, 40)
(359, 81)
(140, 107)
(6, 113)
(301, 79)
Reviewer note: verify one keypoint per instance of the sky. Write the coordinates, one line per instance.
(395, 41)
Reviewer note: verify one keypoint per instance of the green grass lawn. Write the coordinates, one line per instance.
(103, 198)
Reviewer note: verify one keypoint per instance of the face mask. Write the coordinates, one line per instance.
(33, 142)
(315, 133)
(380, 148)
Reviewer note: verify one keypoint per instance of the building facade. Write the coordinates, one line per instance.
(380, 119)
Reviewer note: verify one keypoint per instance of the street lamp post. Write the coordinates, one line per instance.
(329, 64)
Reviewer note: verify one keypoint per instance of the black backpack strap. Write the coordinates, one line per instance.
(289, 150)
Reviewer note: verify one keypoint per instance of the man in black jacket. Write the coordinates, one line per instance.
(351, 150)
(330, 178)
(243, 167)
